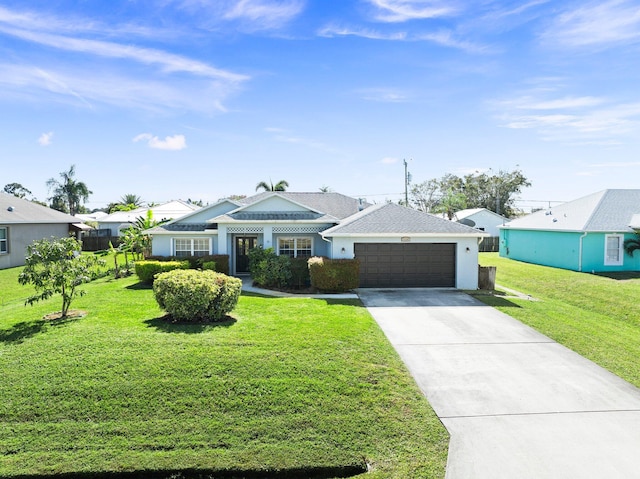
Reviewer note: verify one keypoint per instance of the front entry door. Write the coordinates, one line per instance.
(243, 245)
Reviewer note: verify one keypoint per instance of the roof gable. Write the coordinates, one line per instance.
(392, 219)
(604, 211)
(14, 210)
(332, 204)
(275, 202)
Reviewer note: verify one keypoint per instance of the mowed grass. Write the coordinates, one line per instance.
(293, 385)
(595, 315)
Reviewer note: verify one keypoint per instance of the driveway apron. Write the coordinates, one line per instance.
(517, 404)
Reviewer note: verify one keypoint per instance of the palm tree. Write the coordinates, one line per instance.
(68, 194)
(632, 244)
(281, 185)
(131, 199)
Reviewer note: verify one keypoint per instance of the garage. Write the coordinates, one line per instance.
(406, 265)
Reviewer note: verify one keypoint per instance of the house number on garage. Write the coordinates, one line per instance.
(405, 239)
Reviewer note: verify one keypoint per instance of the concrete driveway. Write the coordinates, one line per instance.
(517, 404)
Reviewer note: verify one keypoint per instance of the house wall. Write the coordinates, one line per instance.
(466, 261)
(162, 244)
(487, 220)
(22, 235)
(574, 251)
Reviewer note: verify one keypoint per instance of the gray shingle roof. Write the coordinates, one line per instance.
(393, 219)
(604, 211)
(15, 210)
(333, 204)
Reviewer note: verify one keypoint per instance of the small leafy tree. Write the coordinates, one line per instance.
(55, 266)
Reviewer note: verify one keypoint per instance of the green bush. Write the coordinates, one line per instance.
(191, 295)
(209, 265)
(148, 269)
(299, 273)
(268, 269)
(196, 262)
(334, 275)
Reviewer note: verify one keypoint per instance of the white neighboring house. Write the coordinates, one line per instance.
(482, 219)
(396, 246)
(121, 220)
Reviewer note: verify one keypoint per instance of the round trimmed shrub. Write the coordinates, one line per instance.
(191, 295)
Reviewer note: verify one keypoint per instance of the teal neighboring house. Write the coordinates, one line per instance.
(586, 234)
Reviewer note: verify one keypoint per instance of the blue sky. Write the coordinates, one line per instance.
(177, 99)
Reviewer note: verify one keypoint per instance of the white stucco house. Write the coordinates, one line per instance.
(482, 219)
(396, 246)
(121, 220)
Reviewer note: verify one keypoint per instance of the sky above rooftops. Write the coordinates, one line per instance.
(195, 99)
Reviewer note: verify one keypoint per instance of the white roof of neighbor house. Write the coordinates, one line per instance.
(473, 211)
(14, 210)
(170, 210)
(392, 219)
(604, 211)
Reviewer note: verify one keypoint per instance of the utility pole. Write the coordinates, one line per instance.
(407, 179)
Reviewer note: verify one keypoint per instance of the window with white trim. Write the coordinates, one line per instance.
(613, 250)
(4, 245)
(296, 247)
(191, 247)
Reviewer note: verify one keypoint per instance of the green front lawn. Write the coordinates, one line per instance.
(288, 385)
(596, 316)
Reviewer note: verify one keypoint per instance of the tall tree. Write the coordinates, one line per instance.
(16, 189)
(281, 185)
(496, 192)
(68, 193)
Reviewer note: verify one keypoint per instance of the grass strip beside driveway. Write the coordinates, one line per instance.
(286, 385)
(597, 316)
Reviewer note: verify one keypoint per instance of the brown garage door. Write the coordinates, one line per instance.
(408, 265)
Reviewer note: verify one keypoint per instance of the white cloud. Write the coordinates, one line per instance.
(389, 160)
(265, 14)
(80, 87)
(394, 11)
(175, 142)
(330, 31)
(384, 95)
(45, 139)
(599, 24)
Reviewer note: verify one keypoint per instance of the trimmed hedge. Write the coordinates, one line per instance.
(268, 269)
(197, 262)
(334, 275)
(147, 269)
(192, 295)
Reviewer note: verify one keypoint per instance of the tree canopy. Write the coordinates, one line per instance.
(68, 194)
(495, 191)
(16, 189)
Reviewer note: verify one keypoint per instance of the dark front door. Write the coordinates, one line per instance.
(243, 245)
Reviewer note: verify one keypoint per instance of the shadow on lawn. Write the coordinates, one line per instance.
(495, 300)
(166, 325)
(27, 329)
(620, 276)
(300, 473)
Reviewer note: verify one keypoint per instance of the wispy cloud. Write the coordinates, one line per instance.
(372, 34)
(45, 139)
(384, 95)
(175, 142)
(395, 11)
(167, 80)
(67, 84)
(286, 136)
(596, 24)
(445, 38)
(264, 14)
(389, 160)
(572, 119)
